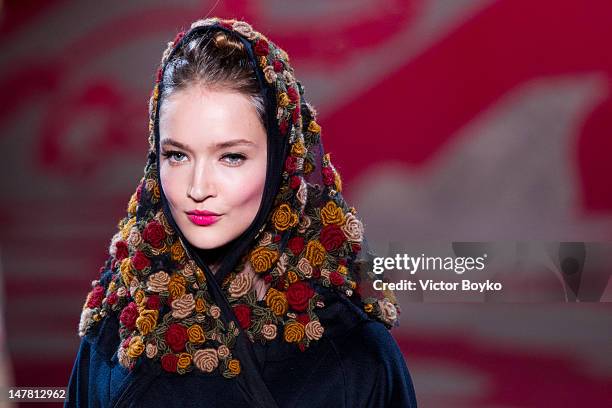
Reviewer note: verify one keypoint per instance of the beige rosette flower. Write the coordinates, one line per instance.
(158, 282)
(268, 331)
(281, 265)
(304, 267)
(388, 311)
(206, 360)
(266, 239)
(241, 285)
(204, 22)
(304, 224)
(134, 238)
(85, 320)
(123, 357)
(269, 74)
(190, 268)
(223, 351)
(245, 29)
(215, 312)
(183, 306)
(112, 249)
(314, 330)
(353, 228)
(301, 196)
(151, 350)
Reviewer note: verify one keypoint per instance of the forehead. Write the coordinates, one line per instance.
(200, 116)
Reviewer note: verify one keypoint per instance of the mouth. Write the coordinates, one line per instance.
(203, 218)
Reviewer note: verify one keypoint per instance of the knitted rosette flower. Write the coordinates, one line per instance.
(309, 244)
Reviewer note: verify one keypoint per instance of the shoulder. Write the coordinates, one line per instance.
(374, 366)
(369, 341)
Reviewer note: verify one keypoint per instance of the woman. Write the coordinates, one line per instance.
(234, 280)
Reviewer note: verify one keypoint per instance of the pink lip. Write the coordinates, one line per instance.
(203, 218)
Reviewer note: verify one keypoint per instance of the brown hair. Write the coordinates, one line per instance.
(217, 60)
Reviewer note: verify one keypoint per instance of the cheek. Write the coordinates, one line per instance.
(172, 183)
(248, 191)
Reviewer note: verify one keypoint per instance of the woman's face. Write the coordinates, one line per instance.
(212, 163)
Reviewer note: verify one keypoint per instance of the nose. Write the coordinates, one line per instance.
(202, 184)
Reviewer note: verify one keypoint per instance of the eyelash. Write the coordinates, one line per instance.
(173, 153)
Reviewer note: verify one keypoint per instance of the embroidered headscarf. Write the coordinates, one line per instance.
(305, 241)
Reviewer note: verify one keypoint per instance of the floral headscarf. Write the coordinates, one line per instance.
(305, 244)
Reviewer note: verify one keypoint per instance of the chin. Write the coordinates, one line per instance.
(202, 238)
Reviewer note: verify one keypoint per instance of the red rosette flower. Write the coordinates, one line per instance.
(298, 295)
(295, 115)
(295, 182)
(154, 234)
(112, 298)
(140, 261)
(328, 176)
(169, 362)
(153, 302)
(356, 247)
(261, 47)
(291, 164)
(121, 250)
(332, 237)
(282, 128)
(179, 37)
(280, 283)
(226, 25)
(243, 314)
(95, 297)
(176, 337)
(303, 318)
(292, 94)
(139, 189)
(316, 273)
(336, 278)
(277, 65)
(296, 245)
(129, 315)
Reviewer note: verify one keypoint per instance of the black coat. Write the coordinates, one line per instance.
(357, 363)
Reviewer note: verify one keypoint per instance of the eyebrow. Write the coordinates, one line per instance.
(221, 145)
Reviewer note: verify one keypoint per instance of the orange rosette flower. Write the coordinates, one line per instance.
(277, 302)
(176, 286)
(136, 347)
(332, 214)
(262, 259)
(294, 332)
(196, 334)
(147, 321)
(284, 218)
(315, 253)
(234, 366)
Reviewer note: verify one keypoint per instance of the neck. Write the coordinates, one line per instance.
(214, 257)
